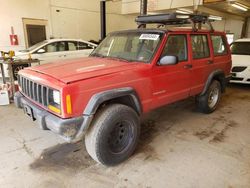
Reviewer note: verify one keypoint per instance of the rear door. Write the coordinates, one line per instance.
(201, 60)
(172, 82)
(222, 59)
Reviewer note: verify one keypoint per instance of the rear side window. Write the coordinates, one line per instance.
(219, 45)
(72, 46)
(200, 47)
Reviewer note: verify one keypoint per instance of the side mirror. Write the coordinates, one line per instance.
(168, 60)
(40, 51)
(93, 47)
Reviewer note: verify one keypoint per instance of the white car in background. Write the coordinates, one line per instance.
(53, 50)
(57, 49)
(241, 61)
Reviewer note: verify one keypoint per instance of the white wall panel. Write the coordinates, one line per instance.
(229, 26)
(12, 12)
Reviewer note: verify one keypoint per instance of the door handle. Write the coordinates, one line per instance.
(188, 66)
(210, 62)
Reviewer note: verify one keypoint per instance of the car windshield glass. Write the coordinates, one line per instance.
(240, 48)
(34, 46)
(129, 46)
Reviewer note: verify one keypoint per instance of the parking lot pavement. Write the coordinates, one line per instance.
(179, 147)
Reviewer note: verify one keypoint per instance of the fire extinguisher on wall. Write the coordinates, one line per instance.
(13, 38)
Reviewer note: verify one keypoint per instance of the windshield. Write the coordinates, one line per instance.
(35, 46)
(129, 46)
(240, 48)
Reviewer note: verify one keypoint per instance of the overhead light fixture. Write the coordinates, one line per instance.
(240, 6)
(183, 16)
(184, 11)
(218, 18)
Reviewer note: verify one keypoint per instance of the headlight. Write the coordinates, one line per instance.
(56, 97)
(54, 101)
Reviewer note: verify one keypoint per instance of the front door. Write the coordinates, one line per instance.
(53, 51)
(172, 82)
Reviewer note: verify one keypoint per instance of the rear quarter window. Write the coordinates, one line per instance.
(219, 45)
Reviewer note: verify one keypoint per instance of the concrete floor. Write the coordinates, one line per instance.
(179, 147)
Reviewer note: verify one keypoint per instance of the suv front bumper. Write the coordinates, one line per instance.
(242, 76)
(71, 129)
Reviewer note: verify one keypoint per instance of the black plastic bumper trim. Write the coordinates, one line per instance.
(71, 129)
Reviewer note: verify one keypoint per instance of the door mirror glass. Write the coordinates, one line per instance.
(168, 60)
(41, 51)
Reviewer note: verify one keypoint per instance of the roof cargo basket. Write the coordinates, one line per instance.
(174, 19)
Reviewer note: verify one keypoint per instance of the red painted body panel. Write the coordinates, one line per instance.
(155, 85)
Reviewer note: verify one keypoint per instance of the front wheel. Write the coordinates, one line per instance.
(113, 135)
(208, 102)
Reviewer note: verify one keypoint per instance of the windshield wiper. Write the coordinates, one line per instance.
(120, 58)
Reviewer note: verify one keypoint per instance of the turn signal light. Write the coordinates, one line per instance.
(68, 104)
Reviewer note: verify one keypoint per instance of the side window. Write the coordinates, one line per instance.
(219, 45)
(83, 46)
(200, 46)
(61, 46)
(55, 47)
(72, 46)
(51, 47)
(176, 46)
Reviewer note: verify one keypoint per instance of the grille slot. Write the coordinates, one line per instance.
(238, 69)
(237, 79)
(35, 91)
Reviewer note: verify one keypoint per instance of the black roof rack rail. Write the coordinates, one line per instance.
(174, 19)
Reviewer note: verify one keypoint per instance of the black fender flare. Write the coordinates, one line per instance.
(212, 75)
(97, 99)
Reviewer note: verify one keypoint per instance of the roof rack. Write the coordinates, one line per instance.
(174, 19)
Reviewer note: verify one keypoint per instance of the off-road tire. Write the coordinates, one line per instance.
(113, 135)
(208, 102)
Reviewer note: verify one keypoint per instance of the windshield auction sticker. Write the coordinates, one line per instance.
(149, 37)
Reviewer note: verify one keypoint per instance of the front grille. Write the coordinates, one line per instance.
(237, 79)
(238, 69)
(34, 91)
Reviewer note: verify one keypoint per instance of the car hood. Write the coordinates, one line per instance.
(83, 68)
(241, 60)
(19, 54)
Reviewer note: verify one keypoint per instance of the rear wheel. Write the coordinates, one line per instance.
(113, 135)
(208, 102)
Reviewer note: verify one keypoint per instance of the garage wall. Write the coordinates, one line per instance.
(248, 28)
(229, 26)
(12, 12)
(66, 19)
(133, 6)
(81, 18)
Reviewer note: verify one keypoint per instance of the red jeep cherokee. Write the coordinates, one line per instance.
(130, 73)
